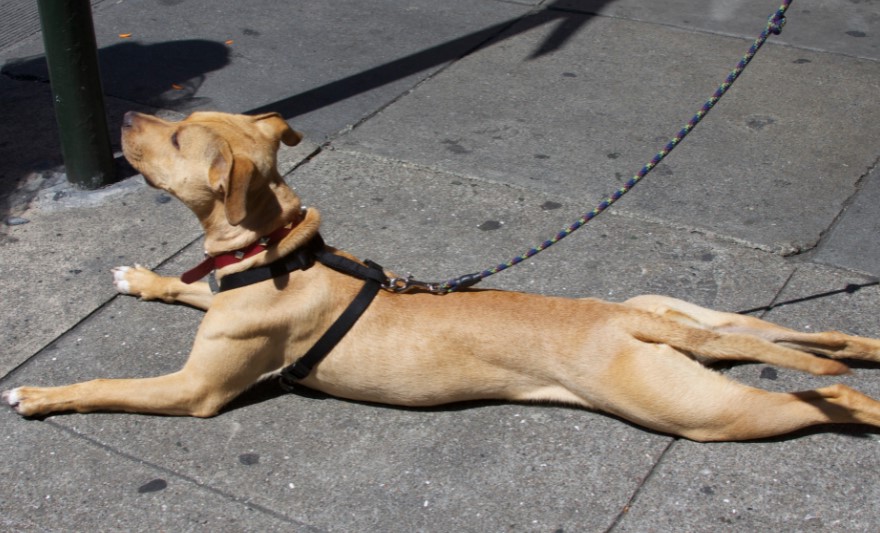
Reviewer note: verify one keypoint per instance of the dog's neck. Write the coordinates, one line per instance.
(268, 208)
(301, 233)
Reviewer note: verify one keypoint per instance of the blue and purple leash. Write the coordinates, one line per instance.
(774, 27)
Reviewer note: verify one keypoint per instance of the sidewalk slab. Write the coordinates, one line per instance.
(579, 121)
(20, 21)
(64, 482)
(838, 26)
(56, 268)
(817, 482)
(850, 243)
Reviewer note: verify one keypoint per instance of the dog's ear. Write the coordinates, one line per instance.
(233, 176)
(276, 127)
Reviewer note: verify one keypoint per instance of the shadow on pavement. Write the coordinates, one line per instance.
(168, 76)
(568, 23)
(164, 75)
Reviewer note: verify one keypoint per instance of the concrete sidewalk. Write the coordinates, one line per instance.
(443, 138)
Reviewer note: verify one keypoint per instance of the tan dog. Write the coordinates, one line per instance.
(640, 360)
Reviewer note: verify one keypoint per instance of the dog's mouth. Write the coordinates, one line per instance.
(134, 157)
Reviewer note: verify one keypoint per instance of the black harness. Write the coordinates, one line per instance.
(304, 258)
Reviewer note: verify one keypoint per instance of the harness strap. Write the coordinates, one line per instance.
(302, 259)
(371, 272)
(304, 365)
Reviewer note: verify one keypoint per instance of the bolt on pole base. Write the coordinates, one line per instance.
(72, 57)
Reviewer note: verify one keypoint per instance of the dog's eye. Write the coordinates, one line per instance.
(174, 141)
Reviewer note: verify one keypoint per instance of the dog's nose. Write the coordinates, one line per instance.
(127, 119)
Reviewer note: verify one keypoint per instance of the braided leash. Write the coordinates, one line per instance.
(774, 27)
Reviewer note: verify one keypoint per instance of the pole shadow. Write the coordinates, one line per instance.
(134, 76)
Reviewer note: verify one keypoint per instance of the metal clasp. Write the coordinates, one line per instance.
(406, 284)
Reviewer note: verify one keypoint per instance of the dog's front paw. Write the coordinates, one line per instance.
(137, 281)
(13, 398)
(34, 401)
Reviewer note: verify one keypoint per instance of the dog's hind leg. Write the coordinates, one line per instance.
(830, 343)
(656, 386)
(147, 285)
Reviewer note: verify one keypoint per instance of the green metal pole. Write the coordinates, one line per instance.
(72, 56)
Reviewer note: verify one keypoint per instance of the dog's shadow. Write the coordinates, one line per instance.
(271, 389)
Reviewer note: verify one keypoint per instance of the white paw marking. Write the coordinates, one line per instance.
(12, 397)
(119, 280)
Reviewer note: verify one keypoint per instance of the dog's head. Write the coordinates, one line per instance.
(222, 166)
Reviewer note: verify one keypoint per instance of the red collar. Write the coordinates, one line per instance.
(230, 258)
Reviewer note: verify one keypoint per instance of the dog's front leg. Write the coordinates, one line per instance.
(218, 370)
(172, 394)
(147, 285)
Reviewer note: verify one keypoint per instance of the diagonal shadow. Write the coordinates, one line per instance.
(568, 24)
(850, 288)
